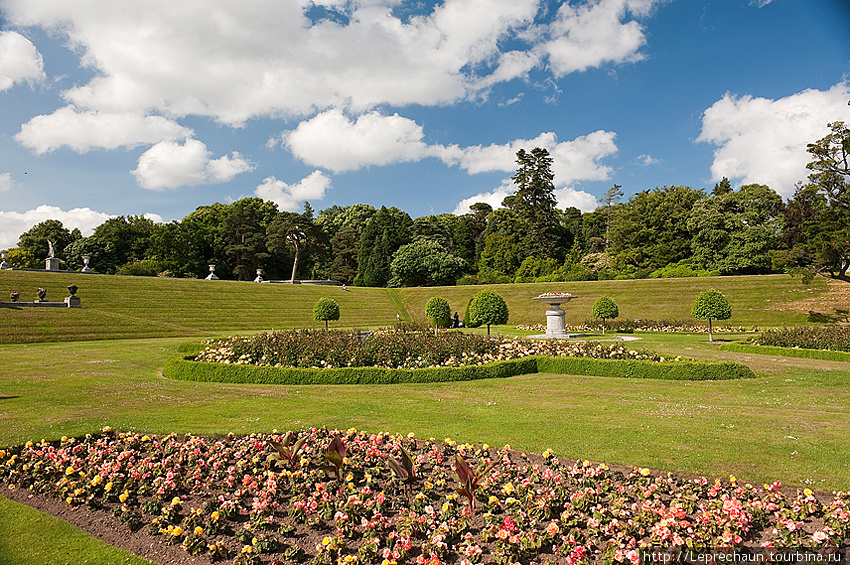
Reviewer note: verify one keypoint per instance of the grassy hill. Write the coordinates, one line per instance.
(138, 307)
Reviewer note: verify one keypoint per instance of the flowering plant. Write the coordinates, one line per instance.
(15, 296)
(217, 495)
(406, 347)
(42, 293)
(555, 295)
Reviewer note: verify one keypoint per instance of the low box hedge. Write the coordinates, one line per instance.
(185, 368)
(821, 354)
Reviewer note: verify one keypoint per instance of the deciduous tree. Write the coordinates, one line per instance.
(711, 305)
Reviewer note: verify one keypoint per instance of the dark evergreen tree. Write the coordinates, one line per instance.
(386, 231)
(534, 205)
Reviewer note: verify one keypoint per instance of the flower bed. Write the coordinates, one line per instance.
(335, 497)
(405, 347)
(827, 338)
(668, 326)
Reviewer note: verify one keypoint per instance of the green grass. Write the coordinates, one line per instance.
(140, 307)
(789, 423)
(30, 537)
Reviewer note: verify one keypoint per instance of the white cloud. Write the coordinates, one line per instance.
(764, 141)
(291, 196)
(566, 197)
(83, 131)
(594, 33)
(170, 165)
(760, 3)
(493, 198)
(572, 161)
(6, 182)
(13, 224)
(19, 60)
(236, 60)
(332, 141)
(647, 160)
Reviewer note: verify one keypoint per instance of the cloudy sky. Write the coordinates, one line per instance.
(157, 107)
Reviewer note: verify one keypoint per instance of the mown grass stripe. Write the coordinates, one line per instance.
(821, 354)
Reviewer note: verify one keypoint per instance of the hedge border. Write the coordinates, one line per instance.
(822, 354)
(184, 368)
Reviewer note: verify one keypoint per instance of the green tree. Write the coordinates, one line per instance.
(125, 239)
(488, 308)
(711, 305)
(345, 245)
(386, 231)
(425, 263)
(737, 233)
(439, 311)
(297, 230)
(22, 259)
(243, 230)
(34, 241)
(611, 198)
(823, 247)
(326, 310)
(604, 309)
(534, 204)
(651, 230)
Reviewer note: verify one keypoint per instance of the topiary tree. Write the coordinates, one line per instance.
(438, 310)
(467, 321)
(324, 310)
(605, 309)
(711, 305)
(488, 308)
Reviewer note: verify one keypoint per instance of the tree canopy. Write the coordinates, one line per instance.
(488, 307)
(711, 305)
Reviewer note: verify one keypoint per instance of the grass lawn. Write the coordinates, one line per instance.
(789, 424)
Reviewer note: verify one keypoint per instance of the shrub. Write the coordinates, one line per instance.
(467, 321)
(605, 309)
(325, 310)
(488, 308)
(711, 305)
(143, 268)
(438, 310)
(830, 338)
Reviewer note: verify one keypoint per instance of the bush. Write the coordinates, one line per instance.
(605, 309)
(326, 310)
(711, 305)
(829, 338)
(438, 309)
(143, 268)
(467, 321)
(184, 368)
(488, 308)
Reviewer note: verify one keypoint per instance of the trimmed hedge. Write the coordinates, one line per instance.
(632, 369)
(184, 368)
(822, 354)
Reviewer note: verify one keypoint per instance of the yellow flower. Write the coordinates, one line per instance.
(644, 472)
(108, 486)
(178, 531)
(70, 471)
(215, 515)
(198, 530)
(808, 492)
(508, 489)
(326, 541)
(124, 496)
(247, 549)
(493, 500)
(176, 501)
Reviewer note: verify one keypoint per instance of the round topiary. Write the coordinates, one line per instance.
(711, 305)
(605, 309)
(438, 309)
(326, 309)
(488, 308)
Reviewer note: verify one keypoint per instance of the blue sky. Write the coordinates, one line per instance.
(157, 107)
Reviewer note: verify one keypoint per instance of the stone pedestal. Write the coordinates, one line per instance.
(52, 264)
(73, 302)
(555, 316)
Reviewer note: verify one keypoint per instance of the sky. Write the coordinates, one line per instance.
(156, 107)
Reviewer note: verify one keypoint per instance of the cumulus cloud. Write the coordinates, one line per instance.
(13, 224)
(235, 60)
(6, 182)
(566, 197)
(332, 141)
(85, 130)
(594, 33)
(291, 196)
(576, 160)
(170, 165)
(764, 141)
(647, 160)
(19, 60)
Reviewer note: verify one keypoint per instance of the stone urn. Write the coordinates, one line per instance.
(72, 289)
(555, 324)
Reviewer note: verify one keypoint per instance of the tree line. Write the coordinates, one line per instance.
(669, 231)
